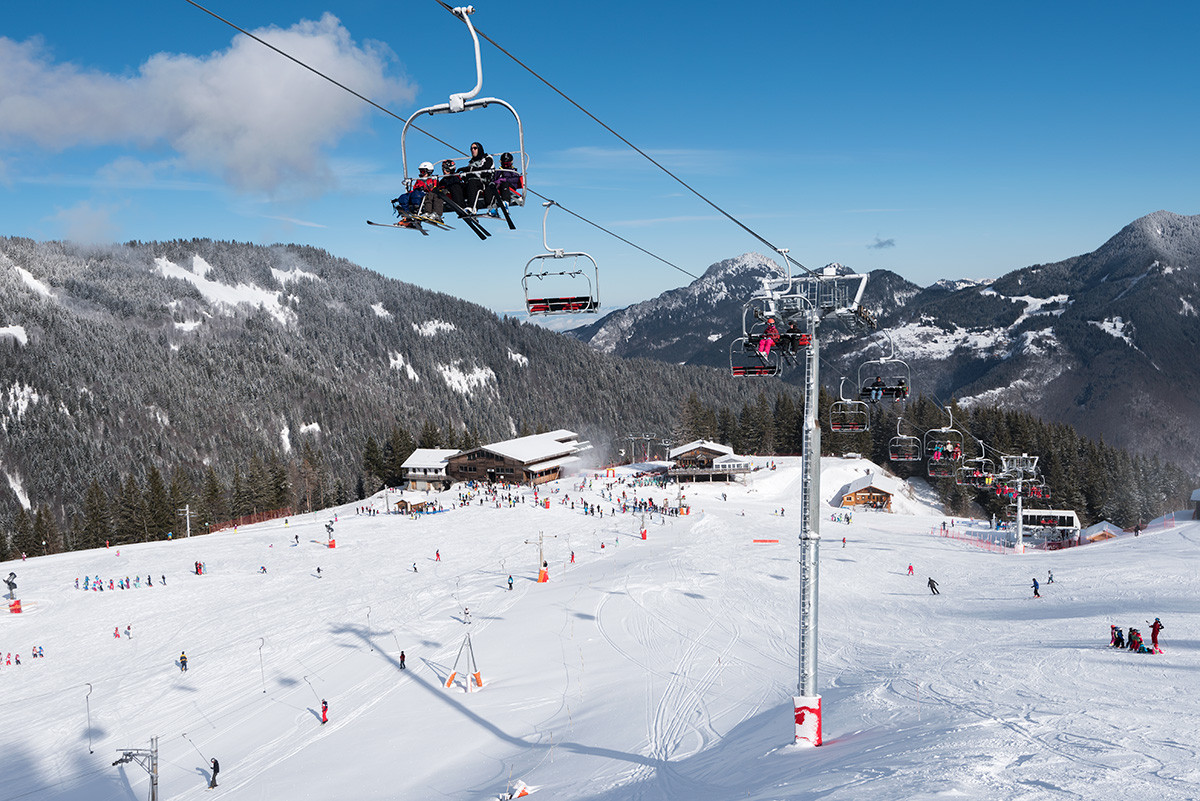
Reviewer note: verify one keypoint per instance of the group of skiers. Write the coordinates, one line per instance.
(1134, 642)
(96, 584)
(478, 185)
(12, 659)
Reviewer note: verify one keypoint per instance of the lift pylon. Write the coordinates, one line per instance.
(472, 667)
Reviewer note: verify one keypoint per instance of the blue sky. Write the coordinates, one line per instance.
(937, 140)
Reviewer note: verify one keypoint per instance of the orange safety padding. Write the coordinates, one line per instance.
(450, 681)
(15, 607)
(543, 576)
(333, 543)
(478, 679)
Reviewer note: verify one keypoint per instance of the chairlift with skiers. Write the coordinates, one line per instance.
(885, 378)
(943, 450)
(479, 199)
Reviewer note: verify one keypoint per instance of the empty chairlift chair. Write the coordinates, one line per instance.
(558, 282)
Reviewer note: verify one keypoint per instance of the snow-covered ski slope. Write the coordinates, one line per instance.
(656, 669)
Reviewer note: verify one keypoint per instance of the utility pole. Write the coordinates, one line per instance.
(148, 759)
(186, 514)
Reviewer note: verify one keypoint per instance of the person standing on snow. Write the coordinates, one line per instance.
(1049, 576)
(933, 586)
(910, 570)
(216, 768)
(510, 583)
(1155, 628)
(324, 712)
(1036, 594)
(182, 662)
(402, 660)
(437, 556)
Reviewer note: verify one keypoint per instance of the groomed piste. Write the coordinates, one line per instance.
(661, 668)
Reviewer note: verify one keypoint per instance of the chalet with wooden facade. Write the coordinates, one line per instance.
(425, 469)
(526, 460)
(706, 461)
(871, 491)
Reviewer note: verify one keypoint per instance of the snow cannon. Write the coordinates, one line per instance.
(808, 719)
(15, 607)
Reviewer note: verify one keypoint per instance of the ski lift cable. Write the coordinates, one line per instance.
(391, 113)
(634, 147)
(610, 233)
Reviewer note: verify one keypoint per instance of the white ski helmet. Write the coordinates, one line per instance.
(427, 166)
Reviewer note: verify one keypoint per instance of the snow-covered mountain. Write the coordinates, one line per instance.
(657, 669)
(188, 354)
(1101, 341)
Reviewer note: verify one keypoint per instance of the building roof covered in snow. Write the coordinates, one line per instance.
(880, 482)
(429, 459)
(700, 444)
(539, 447)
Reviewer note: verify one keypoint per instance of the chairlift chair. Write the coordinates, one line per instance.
(745, 357)
(893, 375)
(576, 280)
(745, 360)
(467, 101)
(903, 448)
(848, 416)
(975, 472)
(978, 471)
(943, 450)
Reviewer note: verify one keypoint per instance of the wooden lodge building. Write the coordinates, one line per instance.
(526, 460)
(871, 491)
(706, 461)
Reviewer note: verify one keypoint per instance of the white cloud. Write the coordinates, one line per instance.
(86, 223)
(245, 113)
